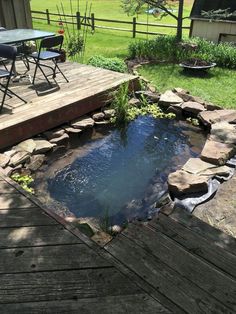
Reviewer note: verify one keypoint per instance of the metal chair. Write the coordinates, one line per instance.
(45, 54)
(9, 53)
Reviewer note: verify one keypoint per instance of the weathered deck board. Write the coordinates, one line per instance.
(36, 236)
(167, 281)
(196, 244)
(5, 188)
(50, 258)
(24, 217)
(130, 304)
(214, 235)
(186, 264)
(73, 284)
(12, 201)
(88, 89)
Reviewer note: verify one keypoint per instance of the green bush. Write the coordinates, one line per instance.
(114, 64)
(166, 49)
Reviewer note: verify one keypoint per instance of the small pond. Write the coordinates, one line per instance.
(117, 173)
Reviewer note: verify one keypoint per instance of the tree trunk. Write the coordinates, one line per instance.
(180, 20)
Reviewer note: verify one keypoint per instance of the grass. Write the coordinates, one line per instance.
(216, 86)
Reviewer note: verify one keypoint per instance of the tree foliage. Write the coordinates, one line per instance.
(164, 7)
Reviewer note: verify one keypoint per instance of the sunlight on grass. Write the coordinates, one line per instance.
(216, 86)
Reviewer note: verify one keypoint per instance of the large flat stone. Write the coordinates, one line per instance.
(42, 146)
(181, 182)
(224, 132)
(196, 165)
(169, 98)
(83, 123)
(54, 133)
(217, 153)
(224, 171)
(210, 117)
(26, 146)
(193, 107)
(19, 158)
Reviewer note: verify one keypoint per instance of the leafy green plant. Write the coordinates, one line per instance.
(114, 64)
(24, 181)
(75, 45)
(193, 121)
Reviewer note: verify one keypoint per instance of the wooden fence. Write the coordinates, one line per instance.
(79, 20)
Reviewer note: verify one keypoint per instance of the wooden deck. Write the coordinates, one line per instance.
(88, 89)
(48, 267)
(173, 264)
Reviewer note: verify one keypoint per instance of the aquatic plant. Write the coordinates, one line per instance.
(24, 181)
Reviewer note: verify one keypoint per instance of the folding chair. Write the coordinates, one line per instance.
(9, 53)
(45, 55)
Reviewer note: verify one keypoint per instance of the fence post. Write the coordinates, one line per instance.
(48, 16)
(92, 22)
(134, 27)
(78, 20)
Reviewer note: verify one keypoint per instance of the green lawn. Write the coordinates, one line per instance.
(217, 86)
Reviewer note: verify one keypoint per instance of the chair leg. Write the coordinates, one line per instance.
(8, 92)
(57, 67)
(5, 92)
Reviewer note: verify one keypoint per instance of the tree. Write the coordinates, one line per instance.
(163, 6)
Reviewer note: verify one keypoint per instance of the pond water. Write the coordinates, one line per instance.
(118, 173)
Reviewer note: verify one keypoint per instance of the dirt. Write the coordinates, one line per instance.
(220, 212)
(195, 62)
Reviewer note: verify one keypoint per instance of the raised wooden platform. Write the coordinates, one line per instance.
(173, 264)
(88, 89)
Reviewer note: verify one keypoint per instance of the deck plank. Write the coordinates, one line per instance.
(24, 217)
(73, 284)
(130, 304)
(36, 236)
(12, 201)
(196, 244)
(214, 282)
(49, 258)
(6, 188)
(166, 280)
(198, 226)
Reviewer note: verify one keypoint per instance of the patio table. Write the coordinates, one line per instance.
(22, 35)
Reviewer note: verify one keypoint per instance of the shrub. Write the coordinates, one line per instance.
(114, 64)
(166, 49)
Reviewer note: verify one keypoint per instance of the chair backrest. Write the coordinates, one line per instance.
(51, 42)
(8, 52)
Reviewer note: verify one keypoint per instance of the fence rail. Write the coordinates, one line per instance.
(79, 20)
